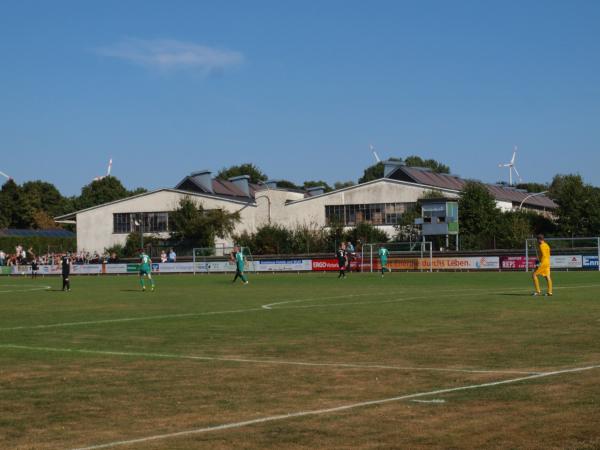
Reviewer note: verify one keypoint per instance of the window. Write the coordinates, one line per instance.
(121, 223)
(374, 213)
(153, 222)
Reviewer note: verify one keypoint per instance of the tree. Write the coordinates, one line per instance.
(268, 240)
(512, 230)
(42, 220)
(195, 226)
(371, 173)
(365, 233)
(313, 183)
(533, 187)
(15, 210)
(44, 196)
(286, 184)
(578, 206)
(343, 184)
(102, 191)
(435, 166)
(478, 216)
(138, 191)
(256, 175)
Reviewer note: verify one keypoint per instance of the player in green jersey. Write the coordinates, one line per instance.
(383, 258)
(238, 257)
(145, 269)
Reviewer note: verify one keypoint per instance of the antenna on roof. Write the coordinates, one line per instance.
(372, 147)
(6, 176)
(511, 166)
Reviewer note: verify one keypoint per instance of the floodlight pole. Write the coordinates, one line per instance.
(267, 197)
(530, 196)
(269, 202)
(142, 231)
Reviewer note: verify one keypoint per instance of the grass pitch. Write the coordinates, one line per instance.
(455, 360)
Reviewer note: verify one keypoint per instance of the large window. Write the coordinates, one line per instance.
(374, 213)
(151, 222)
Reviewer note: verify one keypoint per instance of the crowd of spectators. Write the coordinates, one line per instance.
(21, 256)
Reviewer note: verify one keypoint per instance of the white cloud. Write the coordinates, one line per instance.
(169, 54)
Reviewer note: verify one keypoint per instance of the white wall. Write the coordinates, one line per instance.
(290, 209)
(312, 210)
(95, 227)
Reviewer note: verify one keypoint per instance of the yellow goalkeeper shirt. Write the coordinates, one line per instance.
(544, 252)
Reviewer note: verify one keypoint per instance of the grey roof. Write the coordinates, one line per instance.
(240, 200)
(221, 188)
(446, 181)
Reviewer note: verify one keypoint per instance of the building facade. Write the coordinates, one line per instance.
(380, 202)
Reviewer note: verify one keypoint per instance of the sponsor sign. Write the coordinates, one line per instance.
(566, 262)
(516, 262)
(590, 262)
(283, 265)
(173, 267)
(329, 265)
(114, 268)
(131, 268)
(466, 263)
(4, 270)
(218, 266)
(86, 269)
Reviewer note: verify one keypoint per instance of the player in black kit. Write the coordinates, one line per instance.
(342, 258)
(66, 271)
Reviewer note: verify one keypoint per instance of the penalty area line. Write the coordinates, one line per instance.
(336, 409)
(263, 361)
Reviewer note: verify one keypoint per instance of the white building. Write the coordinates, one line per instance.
(380, 202)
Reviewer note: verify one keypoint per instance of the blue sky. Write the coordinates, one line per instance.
(299, 88)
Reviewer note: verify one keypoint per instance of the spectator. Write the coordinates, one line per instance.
(2, 257)
(163, 256)
(350, 255)
(172, 256)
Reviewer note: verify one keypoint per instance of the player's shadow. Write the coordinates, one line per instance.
(513, 294)
(131, 290)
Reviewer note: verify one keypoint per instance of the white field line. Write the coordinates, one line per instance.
(24, 288)
(260, 361)
(336, 409)
(159, 317)
(465, 292)
(435, 400)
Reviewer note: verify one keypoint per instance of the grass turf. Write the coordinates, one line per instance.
(107, 362)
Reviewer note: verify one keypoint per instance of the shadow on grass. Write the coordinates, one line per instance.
(130, 290)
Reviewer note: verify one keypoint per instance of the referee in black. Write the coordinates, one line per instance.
(66, 263)
(342, 258)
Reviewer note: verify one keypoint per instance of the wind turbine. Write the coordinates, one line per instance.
(511, 166)
(372, 147)
(107, 172)
(6, 176)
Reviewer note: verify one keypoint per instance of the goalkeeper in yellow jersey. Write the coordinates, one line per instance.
(543, 267)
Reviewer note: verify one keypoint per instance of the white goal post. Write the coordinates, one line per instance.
(416, 255)
(586, 247)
